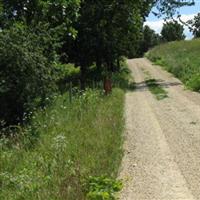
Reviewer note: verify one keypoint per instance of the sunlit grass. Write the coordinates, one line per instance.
(180, 58)
(63, 145)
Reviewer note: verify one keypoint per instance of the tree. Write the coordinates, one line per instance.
(149, 39)
(169, 7)
(195, 26)
(30, 39)
(27, 75)
(172, 31)
(90, 32)
(105, 29)
(53, 12)
(108, 30)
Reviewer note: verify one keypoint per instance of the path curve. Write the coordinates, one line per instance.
(162, 140)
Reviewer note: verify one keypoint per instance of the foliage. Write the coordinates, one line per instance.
(67, 70)
(81, 32)
(102, 188)
(149, 39)
(26, 72)
(105, 29)
(181, 59)
(31, 37)
(194, 82)
(195, 26)
(172, 31)
(170, 7)
(66, 73)
(54, 12)
(64, 144)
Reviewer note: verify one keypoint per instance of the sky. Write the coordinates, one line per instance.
(187, 13)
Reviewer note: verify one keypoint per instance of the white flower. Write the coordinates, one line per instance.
(59, 142)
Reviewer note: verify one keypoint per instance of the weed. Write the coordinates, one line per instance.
(102, 188)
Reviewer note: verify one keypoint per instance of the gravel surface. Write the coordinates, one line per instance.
(162, 140)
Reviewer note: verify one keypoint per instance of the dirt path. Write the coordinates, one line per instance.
(162, 148)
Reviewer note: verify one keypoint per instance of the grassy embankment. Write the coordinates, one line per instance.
(65, 144)
(180, 58)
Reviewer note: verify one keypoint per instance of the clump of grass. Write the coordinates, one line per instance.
(156, 89)
(102, 188)
(64, 145)
(194, 82)
(181, 59)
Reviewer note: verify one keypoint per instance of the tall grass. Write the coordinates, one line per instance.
(180, 58)
(64, 145)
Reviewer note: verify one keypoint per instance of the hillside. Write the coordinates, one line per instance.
(180, 58)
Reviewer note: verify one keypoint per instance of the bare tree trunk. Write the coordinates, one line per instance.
(83, 77)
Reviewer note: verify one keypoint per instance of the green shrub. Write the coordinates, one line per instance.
(102, 188)
(66, 73)
(27, 75)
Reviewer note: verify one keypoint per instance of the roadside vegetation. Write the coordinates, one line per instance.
(69, 149)
(181, 59)
(62, 84)
(156, 89)
(65, 145)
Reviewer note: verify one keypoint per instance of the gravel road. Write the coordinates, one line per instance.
(162, 140)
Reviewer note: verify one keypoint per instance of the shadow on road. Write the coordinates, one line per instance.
(141, 86)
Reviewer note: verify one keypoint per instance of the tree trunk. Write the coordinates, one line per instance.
(107, 86)
(118, 64)
(83, 77)
(98, 63)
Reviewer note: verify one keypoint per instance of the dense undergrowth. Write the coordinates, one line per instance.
(72, 147)
(64, 145)
(180, 58)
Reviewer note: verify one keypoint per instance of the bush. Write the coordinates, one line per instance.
(26, 72)
(66, 73)
(102, 188)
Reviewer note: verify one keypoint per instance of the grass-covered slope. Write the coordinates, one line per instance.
(180, 58)
(65, 144)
